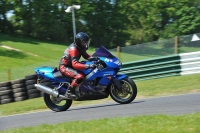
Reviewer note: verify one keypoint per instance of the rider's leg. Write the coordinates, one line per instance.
(67, 71)
(78, 78)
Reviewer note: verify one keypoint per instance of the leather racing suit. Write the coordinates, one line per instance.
(69, 64)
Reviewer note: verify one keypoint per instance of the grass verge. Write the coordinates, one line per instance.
(148, 88)
(142, 124)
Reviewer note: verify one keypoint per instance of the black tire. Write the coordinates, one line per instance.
(5, 84)
(6, 92)
(50, 104)
(30, 87)
(20, 98)
(132, 90)
(5, 88)
(6, 96)
(9, 100)
(30, 77)
(35, 95)
(30, 82)
(18, 85)
(33, 91)
(19, 94)
(18, 81)
(16, 90)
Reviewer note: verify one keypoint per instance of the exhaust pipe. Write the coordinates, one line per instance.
(49, 91)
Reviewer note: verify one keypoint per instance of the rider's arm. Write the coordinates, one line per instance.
(86, 55)
(75, 59)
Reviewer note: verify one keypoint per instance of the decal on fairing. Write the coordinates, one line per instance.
(91, 74)
(108, 60)
(107, 74)
(118, 62)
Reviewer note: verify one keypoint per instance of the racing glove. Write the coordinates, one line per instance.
(90, 66)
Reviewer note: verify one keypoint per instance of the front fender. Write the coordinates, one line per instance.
(116, 81)
(120, 76)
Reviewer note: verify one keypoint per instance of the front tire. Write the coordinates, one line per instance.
(128, 93)
(56, 104)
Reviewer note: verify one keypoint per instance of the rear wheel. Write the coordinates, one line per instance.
(128, 93)
(56, 104)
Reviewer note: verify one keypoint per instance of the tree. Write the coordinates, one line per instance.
(40, 19)
(5, 25)
(154, 19)
(104, 21)
(185, 19)
(108, 22)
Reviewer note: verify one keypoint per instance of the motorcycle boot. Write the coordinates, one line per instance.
(71, 93)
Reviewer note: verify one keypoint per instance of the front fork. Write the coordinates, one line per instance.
(116, 80)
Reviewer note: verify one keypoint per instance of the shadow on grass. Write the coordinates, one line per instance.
(14, 38)
(17, 38)
(12, 54)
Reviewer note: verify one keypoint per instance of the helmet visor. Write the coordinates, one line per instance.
(86, 44)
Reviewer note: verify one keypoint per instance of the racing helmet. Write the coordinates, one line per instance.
(82, 41)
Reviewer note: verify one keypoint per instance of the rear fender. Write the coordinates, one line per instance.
(116, 80)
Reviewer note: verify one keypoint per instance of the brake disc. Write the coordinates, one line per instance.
(56, 100)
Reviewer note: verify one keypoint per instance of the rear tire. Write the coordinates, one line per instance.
(128, 94)
(48, 99)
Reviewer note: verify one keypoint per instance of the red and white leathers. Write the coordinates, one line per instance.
(69, 63)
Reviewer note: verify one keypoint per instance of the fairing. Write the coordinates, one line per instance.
(45, 72)
(103, 52)
(95, 79)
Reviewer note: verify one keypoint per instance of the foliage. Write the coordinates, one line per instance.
(108, 22)
(184, 19)
(5, 24)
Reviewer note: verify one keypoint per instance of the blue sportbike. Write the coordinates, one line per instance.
(99, 83)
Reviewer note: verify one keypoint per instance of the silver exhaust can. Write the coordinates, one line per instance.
(49, 91)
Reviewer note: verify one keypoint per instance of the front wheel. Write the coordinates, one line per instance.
(128, 93)
(56, 104)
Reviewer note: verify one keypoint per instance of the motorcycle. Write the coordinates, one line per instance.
(99, 83)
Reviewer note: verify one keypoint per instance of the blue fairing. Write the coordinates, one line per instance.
(120, 76)
(86, 71)
(111, 66)
(45, 72)
(110, 62)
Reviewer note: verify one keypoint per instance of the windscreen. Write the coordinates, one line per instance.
(103, 52)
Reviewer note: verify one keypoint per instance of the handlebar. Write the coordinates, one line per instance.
(100, 64)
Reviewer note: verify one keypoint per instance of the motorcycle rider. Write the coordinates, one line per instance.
(69, 63)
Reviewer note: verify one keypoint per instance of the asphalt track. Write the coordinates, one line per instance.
(173, 105)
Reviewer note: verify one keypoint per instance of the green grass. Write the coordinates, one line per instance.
(148, 88)
(139, 124)
(22, 63)
(170, 85)
(48, 53)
